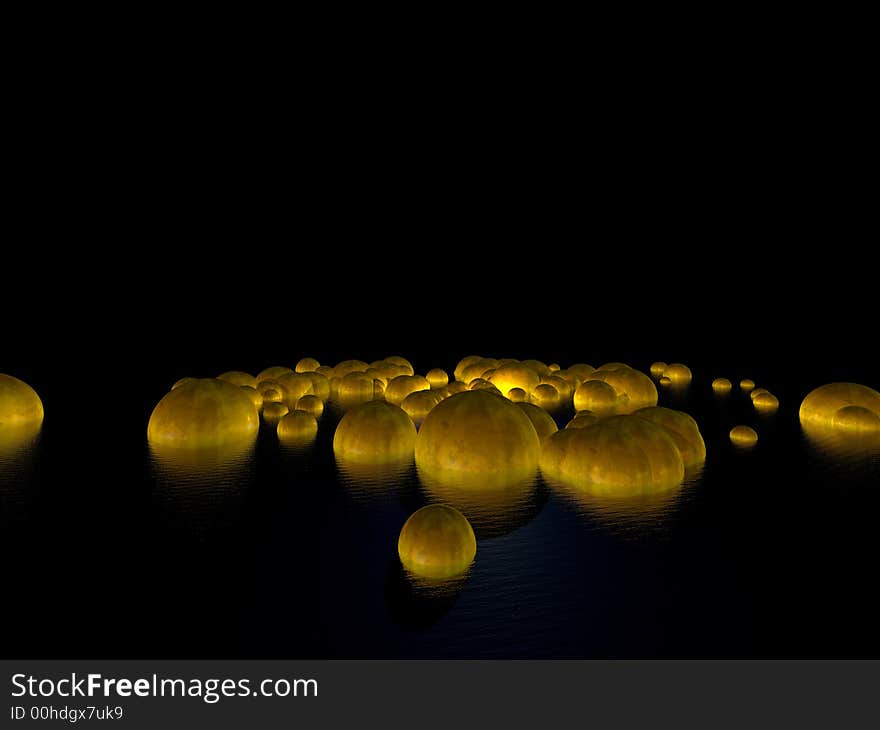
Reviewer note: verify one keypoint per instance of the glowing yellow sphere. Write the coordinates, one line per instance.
(580, 371)
(437, 542)
(295, 386)
(419, 403)
(481, 384)
(255, 396)
(326, 371)
(678, 373)
(310, 404)
(665, 381)
(437, 378)
(620, 456)
(545, 396)
(274, 411)
(401, 362)
(401, 386)
(271, 395)
(553, 367)
(206, 413)
(596, 396)
(19, 404)
(563, 387)
(542, 421)
(822, 405)
(756, 392)
(517, 395)
(684, 431)
(182, 381)
(765, 402)
(456, 386)
(746, 385)
(297, 427)
(378, 390)
(464, 363)
(582, 419)
(374, 433)
(537, 366)
(386, 371)
(856, 419)
(634, 389)
(236, 377)
(658, 368)
(743, 436)
(320, 385)
(356, 387)
(349, 366)
(722, 385)
(307, 365)
(272, 373)
(478, 369)
(609, 367)
(477, 433)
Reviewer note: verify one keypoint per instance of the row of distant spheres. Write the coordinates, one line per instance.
(21, 414)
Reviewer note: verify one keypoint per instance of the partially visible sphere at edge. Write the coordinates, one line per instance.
(237, 377)
(822, 405)
(19, 403)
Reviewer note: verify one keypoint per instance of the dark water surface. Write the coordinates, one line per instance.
(768, 552)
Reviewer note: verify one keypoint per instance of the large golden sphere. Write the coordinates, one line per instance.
(722, 385)
(297, 428)
(634, 389)
(820, 407)
(542, 421)
(678, 373)
(743, 436)
(236, 377)
(477, 433)
(437, 542)
(295, 386)
(401, 386)
(311, 404)
(307, 365)
(272, 373)
(684, 431)
(620, 456)
(464, 363)
(596, 396)
(373, 433)
(420, 403)
(401, 362)
(517, 395)
(254, 394)
(765, 402)
(437, 378)
(545, 396)
(274, 411)
(205, 413)
(19, 403)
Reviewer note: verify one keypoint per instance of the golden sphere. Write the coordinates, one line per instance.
(554, 367)
(401, 386)
(353, 389)
(517, 395)
(664, 381)
(856, 419)
(580, 371)
(582, 419)
(743, 436)
(545, 396)
(536, 365)
(205, 413)
(765, 402)
(634, 389)
(272, 373)
(373, 433)
(477, 433)
(271, 395)
(678, 373)
(478, 369)
(320, 385)
(419, 403)
(514, 375)
(610, 367)
(542, 421)
(274, 411)
(307, 365)
(621, 456)
(401, 362)
(746, 385)
(182, 381)
(310, 404)
(658, 368)
(437, 542)
(297, 427)
(437, 378)
(326, 371)
(821, 406)
(236, 377)
(386, 371)
(563, 387)
(722, 385)
(684, 432)
(456, 386)
(19, 404)
(349, 366)
(481, 384)
(464, 363)
(295, 386)
(596, 396)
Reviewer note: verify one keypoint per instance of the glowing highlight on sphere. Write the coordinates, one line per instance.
(437, 378)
